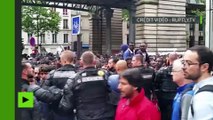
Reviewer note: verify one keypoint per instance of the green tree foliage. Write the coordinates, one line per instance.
(37, 20)
(125, 14)
(199, 12)
(200, 1)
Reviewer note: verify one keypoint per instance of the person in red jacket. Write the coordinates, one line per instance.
(133, 104)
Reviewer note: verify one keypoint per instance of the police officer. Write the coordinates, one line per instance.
(52, 91)
(147, 73)
(166, 88)
(88, 92)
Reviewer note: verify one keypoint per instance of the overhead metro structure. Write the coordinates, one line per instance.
(104, 10)
(160, 37)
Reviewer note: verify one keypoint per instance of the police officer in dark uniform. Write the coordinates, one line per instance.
(88, 92)
(51, 93)
(166, 88)
(147, 73)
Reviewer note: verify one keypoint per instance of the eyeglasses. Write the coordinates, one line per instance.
(176, 70)
(189, 63)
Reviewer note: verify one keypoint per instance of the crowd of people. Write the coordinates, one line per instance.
(131, 85)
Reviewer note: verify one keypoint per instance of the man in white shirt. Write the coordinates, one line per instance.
(198, 62)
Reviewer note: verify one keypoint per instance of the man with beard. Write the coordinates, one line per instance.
(27, 71)
(134, 105)
(37, 75)
(197, 66)
(111, 65)
(27, 76)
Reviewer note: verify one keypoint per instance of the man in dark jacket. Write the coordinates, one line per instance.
(88, 92)
(166, 88)
(142, 50)
(147, 73)
(52, 91)
(27, 77)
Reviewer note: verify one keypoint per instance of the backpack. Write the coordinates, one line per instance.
(208, 88)
(185, 101)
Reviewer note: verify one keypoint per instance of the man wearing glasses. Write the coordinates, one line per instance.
(197, 65)
(183, 96)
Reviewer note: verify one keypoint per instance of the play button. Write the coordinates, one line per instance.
(25, 100)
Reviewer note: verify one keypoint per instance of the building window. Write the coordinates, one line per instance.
(29, 35)
(64, 11)
(54, 38)
(65, 24)
(65, 38)
(42, 38)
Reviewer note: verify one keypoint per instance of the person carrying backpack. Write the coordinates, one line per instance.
(181, 102)
(197, 65)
